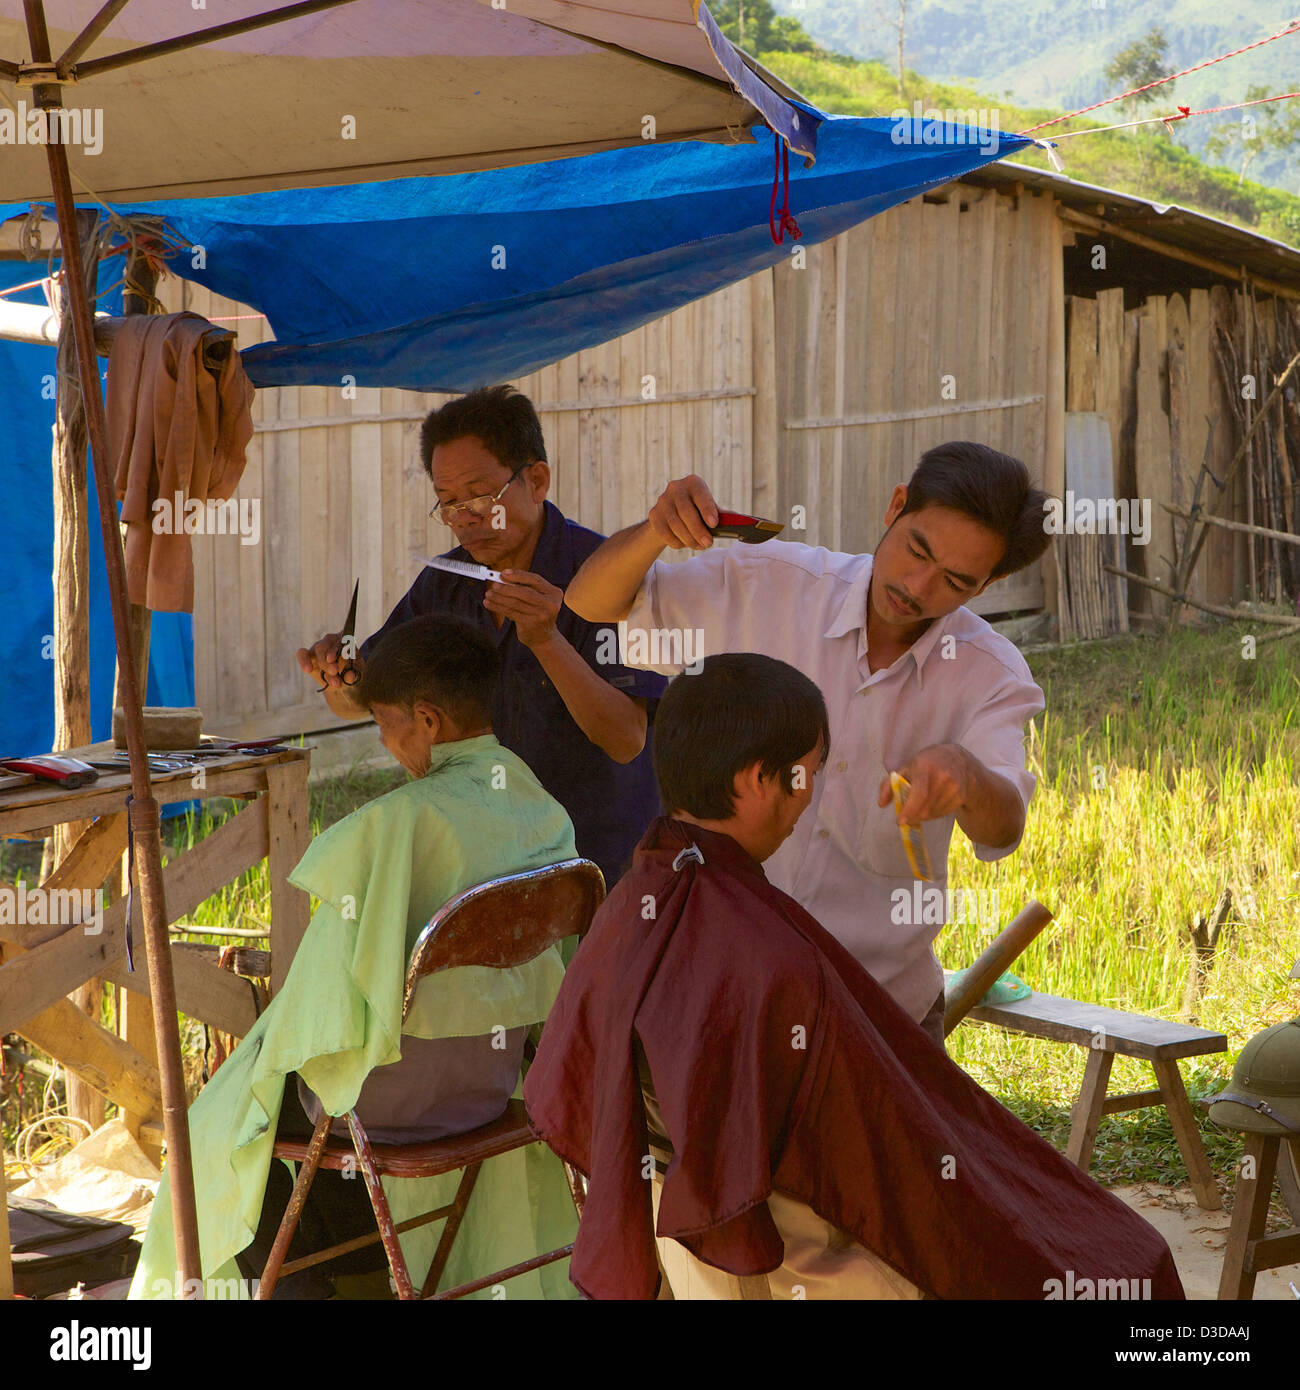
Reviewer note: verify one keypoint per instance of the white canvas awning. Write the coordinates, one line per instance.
(363, 90)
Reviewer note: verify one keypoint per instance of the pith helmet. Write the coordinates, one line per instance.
(1264, 1096)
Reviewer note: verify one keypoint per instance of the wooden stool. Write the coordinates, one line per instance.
(1249, 1250)
(1106, 1032)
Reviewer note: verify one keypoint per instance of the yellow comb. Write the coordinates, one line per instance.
(913, 841)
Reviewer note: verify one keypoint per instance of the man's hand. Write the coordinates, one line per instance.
(325, 660)
(604, 589)
(941, 776)
(529, 601)
(947, 780)
(681, 518)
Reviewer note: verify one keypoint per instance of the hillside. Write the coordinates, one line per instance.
(1146, 162)
(1041, 52)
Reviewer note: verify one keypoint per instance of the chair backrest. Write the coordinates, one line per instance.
(507, 921)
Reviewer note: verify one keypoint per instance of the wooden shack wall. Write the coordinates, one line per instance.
(1159, 372)
(928, 323)
(816, 385)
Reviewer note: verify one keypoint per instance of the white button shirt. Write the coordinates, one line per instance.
(960, 682)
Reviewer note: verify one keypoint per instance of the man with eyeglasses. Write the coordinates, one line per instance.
(575, 717)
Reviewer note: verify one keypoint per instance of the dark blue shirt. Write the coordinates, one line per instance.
(609, 803)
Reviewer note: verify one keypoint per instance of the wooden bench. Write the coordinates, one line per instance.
(1106, 1032)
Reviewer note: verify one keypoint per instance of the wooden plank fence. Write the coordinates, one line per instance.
(815, 385)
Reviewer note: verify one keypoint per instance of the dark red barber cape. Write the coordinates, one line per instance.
(778, 1062)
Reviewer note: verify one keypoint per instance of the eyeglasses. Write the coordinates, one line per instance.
(447, 512)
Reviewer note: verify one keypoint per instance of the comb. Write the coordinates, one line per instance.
(913, 840)
(470, 571)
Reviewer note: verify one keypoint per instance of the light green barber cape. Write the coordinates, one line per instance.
(381, 874)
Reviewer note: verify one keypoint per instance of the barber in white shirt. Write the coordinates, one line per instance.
(914, 683)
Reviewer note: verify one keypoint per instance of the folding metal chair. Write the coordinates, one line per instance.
(500, 923)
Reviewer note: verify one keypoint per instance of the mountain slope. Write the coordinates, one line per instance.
(1041, 52)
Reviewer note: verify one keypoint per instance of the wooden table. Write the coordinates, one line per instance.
(40, 964)
(1105, 1033)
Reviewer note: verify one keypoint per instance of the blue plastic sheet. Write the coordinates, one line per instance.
(446, 284)
(27, 615)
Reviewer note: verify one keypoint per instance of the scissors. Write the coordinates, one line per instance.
(349, 675)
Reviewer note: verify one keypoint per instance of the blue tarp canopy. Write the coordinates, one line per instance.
(450, 283)
(445, 284)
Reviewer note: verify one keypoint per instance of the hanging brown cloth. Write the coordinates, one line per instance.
(173, 427)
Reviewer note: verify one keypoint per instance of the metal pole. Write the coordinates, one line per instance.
(143, 813)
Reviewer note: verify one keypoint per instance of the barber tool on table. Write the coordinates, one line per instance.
(58, 768)
(348, 674)
(187, 759)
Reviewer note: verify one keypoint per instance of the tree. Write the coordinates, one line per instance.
(1143, 61)
(1274, 126)
(899, 22)
(789, 36)
(747, 23)
(755, 26)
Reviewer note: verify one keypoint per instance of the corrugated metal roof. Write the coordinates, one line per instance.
(1168, 222)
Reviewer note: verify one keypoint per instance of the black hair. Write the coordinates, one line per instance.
(740, 709)
(989, 487)
(435, 658)
(501, 417)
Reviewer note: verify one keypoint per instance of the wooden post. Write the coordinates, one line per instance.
(288, 832)
(1247, 322)
(141, 280)
(765, 498)
(135, 1016)
(6, 1261)
(135, 1027)
(1054, 594)
(72, 613)
(144, 805)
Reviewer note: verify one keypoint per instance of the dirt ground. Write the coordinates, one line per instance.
(1197, 1239)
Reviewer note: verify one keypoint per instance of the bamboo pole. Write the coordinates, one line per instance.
(1285, 536)
(1231, 470)
(1217, 609)
(143, 808)
(996, 959)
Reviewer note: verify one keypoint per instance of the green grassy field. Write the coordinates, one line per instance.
(1167, 771)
